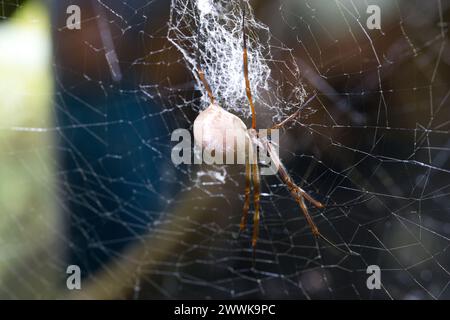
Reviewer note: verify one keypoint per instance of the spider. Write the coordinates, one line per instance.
(209, 129)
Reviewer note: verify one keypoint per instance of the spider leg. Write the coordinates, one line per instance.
(256, 198)
(247, 196)
(294, 115)
(201, 75)
(254, 171)
(247, 80)
(314, 229)
(200, 72)
(308, 217)
(299, 195)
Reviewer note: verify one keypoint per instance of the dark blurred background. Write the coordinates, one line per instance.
(97, 182)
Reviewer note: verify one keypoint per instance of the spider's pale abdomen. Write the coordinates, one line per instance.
(212, 126)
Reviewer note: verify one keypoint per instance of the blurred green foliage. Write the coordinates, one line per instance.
(28, 222)
(8, 7)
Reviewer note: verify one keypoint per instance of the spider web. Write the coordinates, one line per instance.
(373, 146)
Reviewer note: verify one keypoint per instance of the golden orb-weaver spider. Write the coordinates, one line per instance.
(209, 130)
